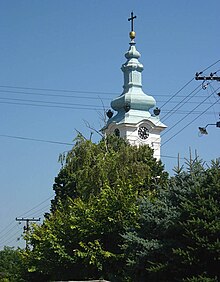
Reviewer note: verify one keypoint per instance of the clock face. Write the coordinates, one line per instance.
(143, 132)
(117, 132)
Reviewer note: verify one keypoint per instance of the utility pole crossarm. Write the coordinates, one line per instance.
(27, 219)
(26, 228)
(210, 77)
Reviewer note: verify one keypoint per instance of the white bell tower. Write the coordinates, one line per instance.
(133, 120)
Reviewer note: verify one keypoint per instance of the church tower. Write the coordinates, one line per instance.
(133, 120)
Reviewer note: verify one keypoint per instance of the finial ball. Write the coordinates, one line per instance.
(132, 34)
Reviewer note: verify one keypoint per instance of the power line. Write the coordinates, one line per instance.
(210, 66)
(80, 97)
(45, 102)
(7, 241)
(27, 212)
(64, 107)
(174, 95)
(188, 124)
(50, 106)
(215, 114)
(5, 232)
(84, 91)
(5, 228)
(40, 212)
(37, 140)
(186, 84)
(13, 240)
(86, 105)
(89, 92)
(181, 104)
(54, 95)
(8, 231)
(193, 112)
(178, 122)
(57, 90)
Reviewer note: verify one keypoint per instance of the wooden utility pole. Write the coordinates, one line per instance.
(27, 227)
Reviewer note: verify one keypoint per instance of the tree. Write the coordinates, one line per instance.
(178, 234)
(198, 254)
(10, 265)
(148, 247)
(98, 194)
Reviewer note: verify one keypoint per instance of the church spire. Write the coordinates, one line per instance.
(133, 96)
(133, 120)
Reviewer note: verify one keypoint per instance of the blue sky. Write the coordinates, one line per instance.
(79, 46)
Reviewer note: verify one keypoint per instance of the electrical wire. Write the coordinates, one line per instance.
(182, 103)
(13, 240)
(58, 90)
(195, 112)
(52, 95)
(190, 112)
(64, 107)
(38, 205)
(40, 213)
(189, 123)
(37, 140)
(5, 228)
(186, 84)
(215, 114)
(87, 92)
(51, 106)
(210, 66)
(45, 102)
(73, 96)
(178, 122)
(93, 92)
(175, 94)
(76, 104)
(6, 241)
(8, 231)
(76, 91)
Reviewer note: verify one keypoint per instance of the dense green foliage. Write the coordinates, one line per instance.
(10, 265)
(117, 216)
(198, 253)
(98, 194)
(178, 237)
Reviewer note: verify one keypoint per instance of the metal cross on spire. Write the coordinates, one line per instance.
(132, 20)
